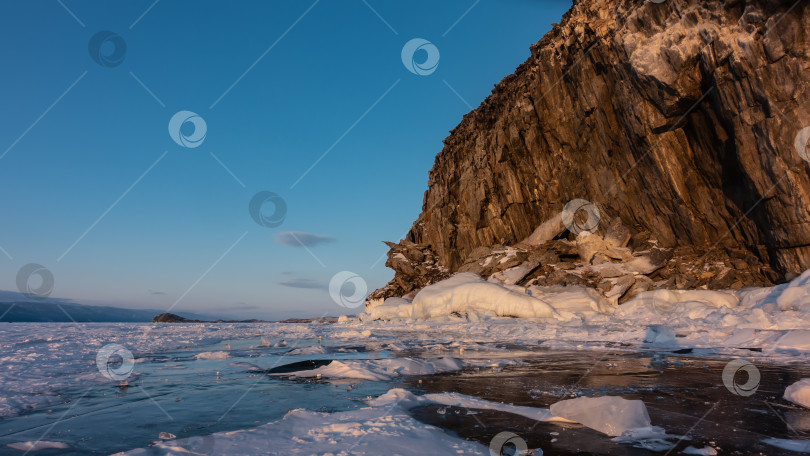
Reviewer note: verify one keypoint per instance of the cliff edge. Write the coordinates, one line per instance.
(681, 123)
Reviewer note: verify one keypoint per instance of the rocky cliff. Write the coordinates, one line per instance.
(680, 122)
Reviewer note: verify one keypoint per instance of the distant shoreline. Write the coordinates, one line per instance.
(172, 318)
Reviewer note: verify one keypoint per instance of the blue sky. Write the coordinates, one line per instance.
(95, 189)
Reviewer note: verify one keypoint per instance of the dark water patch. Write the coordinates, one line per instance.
(684, 395)
(553, 438)
(309, 364)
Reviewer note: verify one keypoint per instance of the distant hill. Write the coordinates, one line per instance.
(174, 318)
(53, 310)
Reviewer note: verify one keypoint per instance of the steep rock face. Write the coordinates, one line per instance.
(679, 118)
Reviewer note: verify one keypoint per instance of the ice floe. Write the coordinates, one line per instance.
(212, 355)
(799, 393)
(609, 415)
(380, 370)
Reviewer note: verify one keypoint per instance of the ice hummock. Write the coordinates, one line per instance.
(799, 393)
(467, 290)
(367, 430)
(609, 415)
(775, 319)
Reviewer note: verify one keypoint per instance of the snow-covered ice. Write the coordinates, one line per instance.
(460, 326)
(382, 369)
(466, 290)
(37, 359)
(212, 355)
(406, 399)
(799, 446)
(705, 451)
(773, 319)
(386, 423)
(367, 431)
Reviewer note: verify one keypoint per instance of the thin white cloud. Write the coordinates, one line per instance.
(302, 239)
(301, 282)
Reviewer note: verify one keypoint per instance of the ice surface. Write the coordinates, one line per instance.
(705, 451)
(37, 360)
(382, 369)
(614, 416)
(799, 393)
(447, 323)
(386, 350)
(311, 350)
(366, 431)
(611, 415)
(405, 399)
(799, 446)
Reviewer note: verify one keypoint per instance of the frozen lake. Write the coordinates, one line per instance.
(196, 380)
